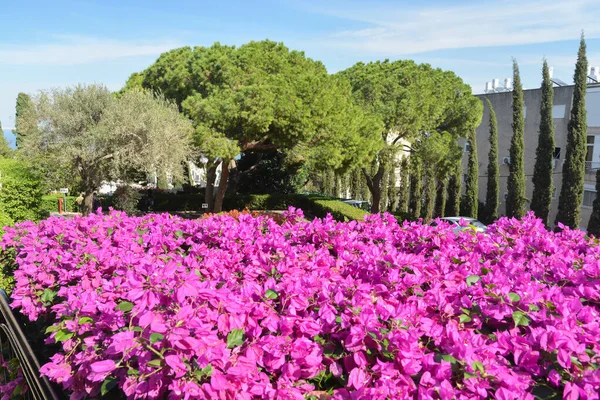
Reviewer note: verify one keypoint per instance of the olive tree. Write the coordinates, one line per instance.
(96, 136)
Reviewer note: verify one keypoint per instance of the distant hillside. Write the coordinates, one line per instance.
(10, 138)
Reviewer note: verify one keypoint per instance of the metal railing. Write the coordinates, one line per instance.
(592, 166)
(14, 344)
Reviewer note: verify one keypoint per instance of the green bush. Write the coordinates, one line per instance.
(6, 263)
(50, 203)
(404, 216)
(312, 205)
(126, 199)
(21, 193)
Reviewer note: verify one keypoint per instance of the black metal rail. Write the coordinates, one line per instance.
(13, 343)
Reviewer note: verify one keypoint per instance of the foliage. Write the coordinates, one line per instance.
(26, 119)
(270, 171)
(454, 190)
(413, 101)
(50, 203)
(429, 194)
(314, 205)
(573, 170)
(215, 307)
(5, 150)
(96, 136)
(416, 186)
(543, 186)
(440, 198)
(262, 96)
(126, 199)
(404, 190)
(593, 227)
(492, 192)
(515, 202)
(21, 193)
(472, 189)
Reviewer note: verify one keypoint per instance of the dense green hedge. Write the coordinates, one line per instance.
(312, 205)
(21, 193)
(50, 203)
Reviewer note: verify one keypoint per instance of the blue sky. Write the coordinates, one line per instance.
(47, 44)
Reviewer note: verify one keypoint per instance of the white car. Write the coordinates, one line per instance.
(455, 221)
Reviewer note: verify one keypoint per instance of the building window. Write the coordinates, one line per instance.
(588, 197)
(557, 153)
(558, 111)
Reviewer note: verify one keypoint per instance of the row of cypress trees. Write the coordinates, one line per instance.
(573, 173)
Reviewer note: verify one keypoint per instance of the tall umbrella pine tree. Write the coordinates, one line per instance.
(573, 173)
(515, 202)
(544, 154)
(492, 192)
(472, 189)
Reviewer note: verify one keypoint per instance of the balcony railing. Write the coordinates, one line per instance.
(592, 166)
(15, 348)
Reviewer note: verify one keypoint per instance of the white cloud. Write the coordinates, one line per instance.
(397, 30)
(77, 50)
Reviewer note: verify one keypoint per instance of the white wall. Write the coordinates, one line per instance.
(592, 105)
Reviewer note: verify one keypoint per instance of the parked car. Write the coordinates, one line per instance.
(455, 221)
(362, 204)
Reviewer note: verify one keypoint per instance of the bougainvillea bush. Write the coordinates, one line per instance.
(159, 307)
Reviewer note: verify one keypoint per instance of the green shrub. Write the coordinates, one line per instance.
(6, 262)
(312, 205)
(404, 216)
(50, 203)
(126, 199)
(21, 193)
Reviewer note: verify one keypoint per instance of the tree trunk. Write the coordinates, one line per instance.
(374, 185)
(222, 186)
(209, 191)
(88, 203)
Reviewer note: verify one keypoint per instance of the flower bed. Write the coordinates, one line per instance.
(221, 308)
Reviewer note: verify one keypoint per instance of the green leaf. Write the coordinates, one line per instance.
(533, 307)
(235, 338)
(52, 328)
(110, 231)
(449, 358)
(48, 295)
(338, 319)
(465, 310)
(485, 271)
(85, 320)
(125, 306)
(18, 390)
(156, 363)
(477, 366)
(464, 318)
(514, 297)
(178, 234)
(133, 372)
(156, 337)
(108, 384)
(469, 375)
(271, 294)
(137, 329)
(63, 335)
(520, 318)
(472, 279)
(373, 335)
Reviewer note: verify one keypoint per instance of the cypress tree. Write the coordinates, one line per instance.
(403, 191)
(544, 154)
(5, 150)
(355, 176)
(515, 202)
(430, 195)
(392, 190)
(492, 192)
(454, 191)
(472, 189)
(25, 119)
(416, 187)
(594, 222)
(383, 204)
(573, 173)
(440, 198)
